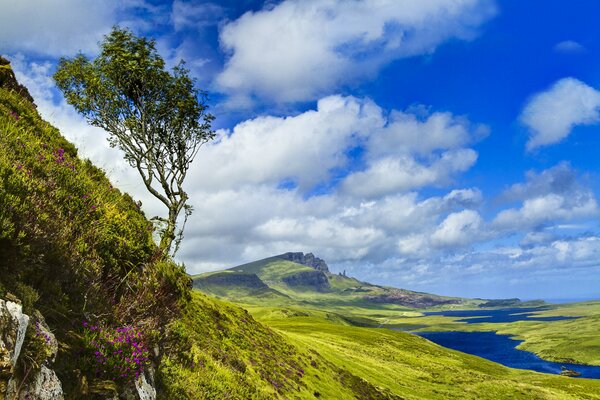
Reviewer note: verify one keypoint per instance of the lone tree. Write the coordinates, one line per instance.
(158, 118)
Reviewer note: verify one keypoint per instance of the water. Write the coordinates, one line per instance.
(501, 349)
(500, 315)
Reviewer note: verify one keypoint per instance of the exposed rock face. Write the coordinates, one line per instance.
(13, 324)
(250, 281)
(315, 279)
(43, 384)
(306, 259)
(9, 81)
(142, 388)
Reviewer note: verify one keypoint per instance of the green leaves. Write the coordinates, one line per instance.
(158, 118)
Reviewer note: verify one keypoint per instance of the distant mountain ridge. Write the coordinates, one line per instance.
(304, 277)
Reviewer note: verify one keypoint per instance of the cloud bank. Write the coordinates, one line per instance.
(302, 49)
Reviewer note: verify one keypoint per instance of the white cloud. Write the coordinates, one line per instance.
(303, 148)
(560, 179)
(551, 196)
(552, 207)
(551, 115)
(299, 50)
(404, 173)
(54, 27)
(569, 47)
(458, 229)
(407, 133)
(64, 27)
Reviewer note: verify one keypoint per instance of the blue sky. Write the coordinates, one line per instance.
(447, 146)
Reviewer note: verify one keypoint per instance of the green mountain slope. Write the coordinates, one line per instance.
(318, 287)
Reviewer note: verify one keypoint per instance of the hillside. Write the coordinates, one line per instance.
(307, 279)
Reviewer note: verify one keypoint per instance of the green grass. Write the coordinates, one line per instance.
(414, 368)
(220, 351)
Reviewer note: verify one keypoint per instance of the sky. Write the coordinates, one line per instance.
(447, 146)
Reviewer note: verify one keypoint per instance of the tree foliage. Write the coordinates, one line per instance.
(158, 118)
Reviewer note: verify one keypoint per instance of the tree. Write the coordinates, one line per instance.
(157, 118)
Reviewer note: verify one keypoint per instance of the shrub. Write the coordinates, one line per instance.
(119, 353)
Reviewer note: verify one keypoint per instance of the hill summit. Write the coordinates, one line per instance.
(306, 259)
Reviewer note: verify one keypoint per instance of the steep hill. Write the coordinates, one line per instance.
(305, 278)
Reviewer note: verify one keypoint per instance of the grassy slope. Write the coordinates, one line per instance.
(73, 248)
(219, 351)
(413, 367)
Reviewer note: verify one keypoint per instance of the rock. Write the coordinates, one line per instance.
(314, 279)
(142, 389)
(13, 325)
(145, 389)
(308, 259)
(250, 281)
(43, 386)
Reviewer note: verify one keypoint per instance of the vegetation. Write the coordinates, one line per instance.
(157, 118)
(74, 247)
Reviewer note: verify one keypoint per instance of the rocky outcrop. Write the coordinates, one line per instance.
(313, 279)
(9, 81)
(306, 259)
(42, 384)
(13, 325)
(250, 281)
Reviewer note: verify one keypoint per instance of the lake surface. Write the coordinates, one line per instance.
(499, 315)
(501, 349)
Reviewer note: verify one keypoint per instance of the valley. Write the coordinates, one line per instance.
(348, 322)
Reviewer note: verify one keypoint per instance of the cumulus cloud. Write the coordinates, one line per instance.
(560, 179)
(59, 27)
(307, 149)
(552, 114)
(299, 50)
(458, 228)
(552, 196)
(404, 173)
(303, 148)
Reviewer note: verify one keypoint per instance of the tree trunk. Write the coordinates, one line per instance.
(169, 234)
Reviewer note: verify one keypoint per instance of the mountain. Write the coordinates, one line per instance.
(306, 278)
